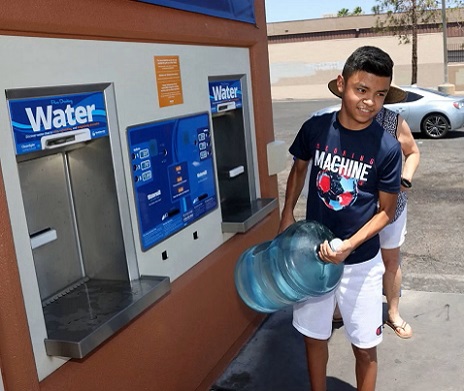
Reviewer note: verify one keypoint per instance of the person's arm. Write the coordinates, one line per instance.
(409, 148)
(385, 213)
(295, 183)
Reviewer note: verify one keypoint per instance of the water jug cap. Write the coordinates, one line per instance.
(335, 244)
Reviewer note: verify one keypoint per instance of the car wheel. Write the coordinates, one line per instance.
(435, 126)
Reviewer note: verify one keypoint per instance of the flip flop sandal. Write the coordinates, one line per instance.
(397, 329)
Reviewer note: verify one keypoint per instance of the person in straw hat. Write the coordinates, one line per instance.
(393, 235)
(353, 190)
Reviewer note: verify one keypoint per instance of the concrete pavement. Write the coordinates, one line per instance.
(432, 360)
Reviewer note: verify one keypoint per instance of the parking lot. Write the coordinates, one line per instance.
(433, 254)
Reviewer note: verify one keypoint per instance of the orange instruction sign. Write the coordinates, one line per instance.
(169, 83)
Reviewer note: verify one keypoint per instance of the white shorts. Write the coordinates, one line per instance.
(393, 235)
(359, 297)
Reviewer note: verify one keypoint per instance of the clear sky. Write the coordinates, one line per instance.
(283, 10)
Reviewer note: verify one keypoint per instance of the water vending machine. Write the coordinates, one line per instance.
(73, 188)
(240, 205)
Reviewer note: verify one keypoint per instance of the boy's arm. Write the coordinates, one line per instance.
(385, 213)
(295, 183)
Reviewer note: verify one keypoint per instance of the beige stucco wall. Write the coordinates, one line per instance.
(322, 24)
(301, 70)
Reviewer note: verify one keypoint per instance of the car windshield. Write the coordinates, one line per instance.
(433, 91)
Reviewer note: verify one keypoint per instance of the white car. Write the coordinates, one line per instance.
(428, 111)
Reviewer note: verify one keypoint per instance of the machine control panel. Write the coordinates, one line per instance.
(173, 175)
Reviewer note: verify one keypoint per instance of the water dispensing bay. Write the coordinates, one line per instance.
(70, 168)
(81, 319)
(240, 216)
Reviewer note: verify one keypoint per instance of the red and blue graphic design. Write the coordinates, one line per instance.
(336, 191)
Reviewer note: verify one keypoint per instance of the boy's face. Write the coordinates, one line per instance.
(363, 95)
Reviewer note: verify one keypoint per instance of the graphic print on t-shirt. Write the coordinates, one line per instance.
(335, 190)
(337, 179)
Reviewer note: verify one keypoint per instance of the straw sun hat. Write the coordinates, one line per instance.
(395, 94)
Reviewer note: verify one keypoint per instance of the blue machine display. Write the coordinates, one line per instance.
(242, 10)
(225, 95)
(173, 175)
(49, 122)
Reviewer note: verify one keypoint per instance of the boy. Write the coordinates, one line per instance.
(353, 189)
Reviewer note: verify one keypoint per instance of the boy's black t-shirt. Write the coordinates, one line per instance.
(348, 168)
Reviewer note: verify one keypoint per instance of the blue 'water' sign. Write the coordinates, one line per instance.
(48, 122)
(241, 10)
(225, 95)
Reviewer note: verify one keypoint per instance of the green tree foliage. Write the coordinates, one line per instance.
(402, 17)
(346, 12)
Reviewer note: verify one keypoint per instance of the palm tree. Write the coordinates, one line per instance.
(343, 12)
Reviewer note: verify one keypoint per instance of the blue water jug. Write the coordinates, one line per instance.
(277, 273)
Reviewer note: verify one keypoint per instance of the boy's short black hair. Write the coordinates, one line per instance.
(369, 59)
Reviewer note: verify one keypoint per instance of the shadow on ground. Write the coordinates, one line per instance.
(273, 360)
